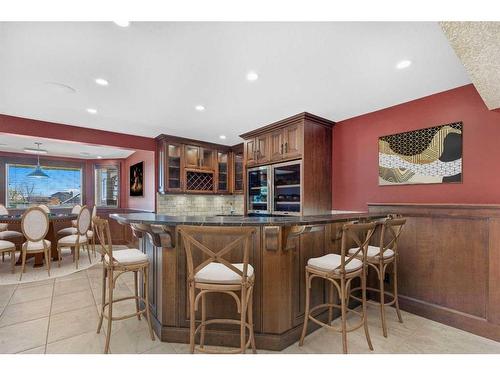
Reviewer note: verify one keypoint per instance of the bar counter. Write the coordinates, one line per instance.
(280, 250)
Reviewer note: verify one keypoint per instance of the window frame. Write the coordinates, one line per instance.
(116, 166)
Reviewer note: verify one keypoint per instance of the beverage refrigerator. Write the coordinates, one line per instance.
(275, 189)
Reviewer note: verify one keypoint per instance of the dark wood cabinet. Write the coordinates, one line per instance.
(191, 166)
(304, 138)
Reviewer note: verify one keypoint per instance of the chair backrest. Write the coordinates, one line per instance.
(101, 227)
(35, 224)
(360, 233)
(94, 214)
(243, 236)
(76, 209)
(83, 221)
(390, 232)
(45, 208)
(3, 210)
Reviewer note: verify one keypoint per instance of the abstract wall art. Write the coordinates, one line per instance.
(424, 156)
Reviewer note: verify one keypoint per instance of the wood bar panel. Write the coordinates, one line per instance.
(449, 266)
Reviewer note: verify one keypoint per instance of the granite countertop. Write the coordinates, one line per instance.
(151, 218)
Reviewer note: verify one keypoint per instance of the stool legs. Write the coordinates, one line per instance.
(192, 318)
(250, 321)
(136, 291)
(396, 298)
(243, 320)
(363, 302)
(306, 312)
(382, 297)
(203, 318)
(344, 314)
(110, 310)
(103, 299)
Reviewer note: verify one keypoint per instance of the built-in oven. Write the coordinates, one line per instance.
(258, 190)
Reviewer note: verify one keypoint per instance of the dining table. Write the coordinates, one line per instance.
(57, 221)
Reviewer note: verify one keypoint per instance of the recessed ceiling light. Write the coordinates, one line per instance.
(99, 157)
(122, 23)
(101, 82)
(199, 108)
(403, 64)
(222, 136)
(252, 76)
(92, 110)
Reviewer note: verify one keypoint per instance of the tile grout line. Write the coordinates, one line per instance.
(50, 315)
(8, 302)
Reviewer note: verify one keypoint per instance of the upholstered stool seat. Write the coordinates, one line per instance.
(128, 257)
(218, 273)
(10, 234)
(374, 252)
(67, 231)
(331, 263)
(36, 246)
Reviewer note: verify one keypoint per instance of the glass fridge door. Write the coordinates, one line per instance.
(258, 190)
(287, 191)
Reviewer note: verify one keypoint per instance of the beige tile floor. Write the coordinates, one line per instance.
(60, 316)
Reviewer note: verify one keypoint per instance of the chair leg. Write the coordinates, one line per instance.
(59, 256)
(23, 264)
(382, 299)
(93, 246)
(191, 318)
(243, 320)
(77, 254)
(3, 257)
(365, 316)
(306, 313)
(88, 252)
(203, 318)
(12, 261)
(330, 300)
(344, 314)
(103, 298)
(110, 311)
(136, 291)
(395, 281)
(250, 321)
(47, 261)
(145, 276)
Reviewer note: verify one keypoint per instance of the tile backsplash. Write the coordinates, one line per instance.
(197, 204)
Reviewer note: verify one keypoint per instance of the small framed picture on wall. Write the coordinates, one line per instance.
(137, 180)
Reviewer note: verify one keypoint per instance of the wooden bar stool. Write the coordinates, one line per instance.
(340, 270)
(217, 275)
(116, 264)
(381, 256)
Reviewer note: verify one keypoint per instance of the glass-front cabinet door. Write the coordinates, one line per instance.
(174, 167)
(222, 172)
(238, 172)
(258, 190)
(287, 192)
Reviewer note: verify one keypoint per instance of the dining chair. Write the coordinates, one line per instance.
(115, 264)
(9, 235)
(340, 271)
(217, 275)
(45, 208)
(72, 229)
(379, 258)
(35, 225)
(91, 231)
(78, 240)
(9, 247)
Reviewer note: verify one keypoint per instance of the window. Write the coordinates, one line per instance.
(63, 188)
(107, 191)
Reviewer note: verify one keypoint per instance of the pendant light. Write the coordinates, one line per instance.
(38, 172)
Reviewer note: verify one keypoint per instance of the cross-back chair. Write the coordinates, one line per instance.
(79, 239)
(339, 270)
(216, 274)
(115, 264)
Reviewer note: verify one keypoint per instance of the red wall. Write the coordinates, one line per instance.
(35, 128)
(147, 202)
(355, 152)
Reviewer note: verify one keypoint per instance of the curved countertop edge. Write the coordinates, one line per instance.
(157, 219)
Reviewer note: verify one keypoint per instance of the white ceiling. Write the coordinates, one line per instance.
(159, 71)
(16, 143)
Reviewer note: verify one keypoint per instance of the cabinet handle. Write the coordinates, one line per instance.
(281, 151)
(286, 147)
